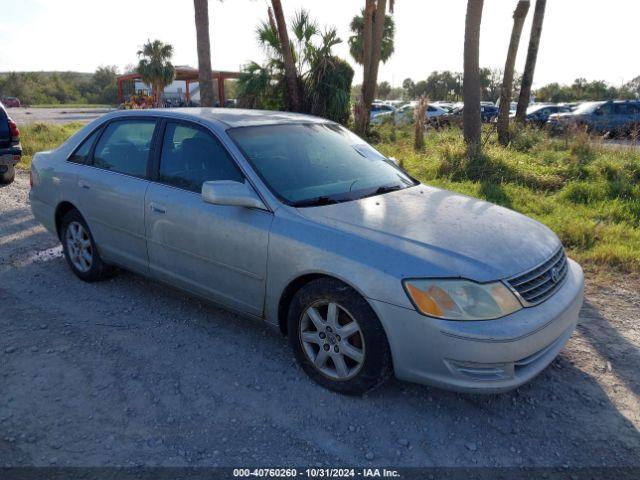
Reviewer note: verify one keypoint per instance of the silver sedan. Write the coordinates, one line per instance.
(296, 221)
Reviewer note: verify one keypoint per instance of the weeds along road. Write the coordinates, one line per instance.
(24, 116)
(129, 372)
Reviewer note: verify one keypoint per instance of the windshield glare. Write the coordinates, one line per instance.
(317, 163)
(588, 107)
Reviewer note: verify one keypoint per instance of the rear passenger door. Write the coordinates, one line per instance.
(216, 251)
(112, 191)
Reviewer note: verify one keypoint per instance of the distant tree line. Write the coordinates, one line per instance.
(61, 87)
(444, 85)
(581, 89)
(447, 86)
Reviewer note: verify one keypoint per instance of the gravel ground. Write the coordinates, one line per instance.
(129, 372)
(24, 116)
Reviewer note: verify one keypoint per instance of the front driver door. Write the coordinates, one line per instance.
(212, 250)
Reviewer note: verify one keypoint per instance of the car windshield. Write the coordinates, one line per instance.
(588, 107)
(309, 164)
(534, 109)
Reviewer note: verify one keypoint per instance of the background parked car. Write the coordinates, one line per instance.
(379, 108)
(487, 113)
(539, 114)
(404, 115)
(11, 102)
(620, 117)
(10, 148)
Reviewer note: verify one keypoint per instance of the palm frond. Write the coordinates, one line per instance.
(304, 29)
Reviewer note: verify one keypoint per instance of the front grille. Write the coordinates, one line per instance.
(537, 285)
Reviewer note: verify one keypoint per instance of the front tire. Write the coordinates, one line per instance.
(337, 338)
(80, 249)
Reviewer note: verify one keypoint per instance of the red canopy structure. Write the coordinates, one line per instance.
(186, 74)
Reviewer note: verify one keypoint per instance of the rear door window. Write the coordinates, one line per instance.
(124, 147)
(623, 109)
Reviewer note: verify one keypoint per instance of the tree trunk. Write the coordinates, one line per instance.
(471, 86)
(290, 72)
(204, 52)
(519, 16)
(159, 95)
(532, 58)
(376, 48)
(419, 118)
(363, 108)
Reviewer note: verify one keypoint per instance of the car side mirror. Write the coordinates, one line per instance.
(230, 193)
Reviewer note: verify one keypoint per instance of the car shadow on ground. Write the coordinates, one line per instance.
(622, 355)
(128, 371)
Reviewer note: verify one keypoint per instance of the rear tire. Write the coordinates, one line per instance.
(9, 176)
(80, 249)
(337, 338)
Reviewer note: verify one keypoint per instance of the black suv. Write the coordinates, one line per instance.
(10, 148)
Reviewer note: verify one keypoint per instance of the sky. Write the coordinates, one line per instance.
(581, 38)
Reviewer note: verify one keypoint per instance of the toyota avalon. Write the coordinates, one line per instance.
(296, 221)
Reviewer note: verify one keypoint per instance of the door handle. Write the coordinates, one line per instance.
(83, 184)
(157, 208)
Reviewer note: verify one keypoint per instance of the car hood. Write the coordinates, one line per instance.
(434, 232)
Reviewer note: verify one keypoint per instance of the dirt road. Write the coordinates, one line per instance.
(24, 116)
(129, 372)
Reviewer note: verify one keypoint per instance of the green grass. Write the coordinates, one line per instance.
(589, 195)
(37, 137)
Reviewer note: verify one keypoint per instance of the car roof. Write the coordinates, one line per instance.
(229, 117)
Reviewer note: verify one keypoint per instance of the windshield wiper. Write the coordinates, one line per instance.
(384, 189)
(314, 202)
(388, 188)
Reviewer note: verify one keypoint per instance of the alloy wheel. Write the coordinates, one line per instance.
(332, 340)
(79, 247)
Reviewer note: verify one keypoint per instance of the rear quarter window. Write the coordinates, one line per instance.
(81, 154)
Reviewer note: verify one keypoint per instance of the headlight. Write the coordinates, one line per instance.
(461, 299)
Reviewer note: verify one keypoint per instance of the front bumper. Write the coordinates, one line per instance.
(482, 356)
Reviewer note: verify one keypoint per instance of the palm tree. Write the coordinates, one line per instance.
(204, 52)
(532, 57)
(155, 67)
(356, 47)
(519, 16)
(324, 80)
(471, 87)
(373, 29)
(290, 72)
